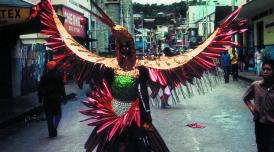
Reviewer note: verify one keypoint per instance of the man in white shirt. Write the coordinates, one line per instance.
(258, 61)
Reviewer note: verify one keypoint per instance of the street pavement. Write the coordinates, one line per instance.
(228, 126)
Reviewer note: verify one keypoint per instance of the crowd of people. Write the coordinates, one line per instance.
(229, 63)
(232, 62)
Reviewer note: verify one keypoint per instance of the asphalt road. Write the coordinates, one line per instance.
(228, 126)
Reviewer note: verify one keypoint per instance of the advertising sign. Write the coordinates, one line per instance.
(73, 22)
(13, 15)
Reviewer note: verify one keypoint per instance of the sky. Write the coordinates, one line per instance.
(156, 1)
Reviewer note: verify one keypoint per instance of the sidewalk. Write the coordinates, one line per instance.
(248, 76)
(16, 109)
(13, 110)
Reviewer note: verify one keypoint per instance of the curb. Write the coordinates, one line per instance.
(20, 116)
(246, 79)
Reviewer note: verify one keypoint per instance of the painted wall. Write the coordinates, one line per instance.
(16, 69)
(269, 30)
(32, 61)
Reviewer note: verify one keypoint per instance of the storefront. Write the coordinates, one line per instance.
(14, 21)
(23, 52)
(260, 34)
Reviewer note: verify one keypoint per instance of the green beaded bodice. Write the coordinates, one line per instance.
(124, 88)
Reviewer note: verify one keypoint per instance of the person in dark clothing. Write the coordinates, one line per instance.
(226, 66)
(51, 92)
(262, 108)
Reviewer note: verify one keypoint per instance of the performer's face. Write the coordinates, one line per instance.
(126, 56)
(125, 49)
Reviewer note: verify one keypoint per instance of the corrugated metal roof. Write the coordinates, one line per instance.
(17, 3)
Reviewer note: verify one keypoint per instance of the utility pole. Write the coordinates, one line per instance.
(92, 33)
(233, 8)
(121, 13)
(143, 36)
(143, 31)
(206, 15)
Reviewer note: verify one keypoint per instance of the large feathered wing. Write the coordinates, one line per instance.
(178, 70)
(67, 51)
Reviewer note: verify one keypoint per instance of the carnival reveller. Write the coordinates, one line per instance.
(262, 108)
(51, 91)
(226, 66)
(234, 64)
(119, 107)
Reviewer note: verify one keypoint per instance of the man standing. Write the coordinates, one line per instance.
(226, 66)
(51, 91)
(234, 65)
(258, 61)
(262, 92)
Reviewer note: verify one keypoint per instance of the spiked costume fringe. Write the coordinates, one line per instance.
(120, 126)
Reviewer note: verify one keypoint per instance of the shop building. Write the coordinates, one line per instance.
(260, 34)
(24, 53)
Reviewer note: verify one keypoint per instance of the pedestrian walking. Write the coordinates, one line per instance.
(262, 107)
(51, 92)
(234, 65)
(226, 66)
(258, 62)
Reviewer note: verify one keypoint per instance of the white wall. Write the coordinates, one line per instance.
(241, 2)
(73, 4)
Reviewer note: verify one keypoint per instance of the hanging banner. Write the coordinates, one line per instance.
(13, 15)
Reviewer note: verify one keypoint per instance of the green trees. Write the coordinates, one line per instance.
(179, 9)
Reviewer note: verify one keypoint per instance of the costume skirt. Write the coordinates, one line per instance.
(133, 139)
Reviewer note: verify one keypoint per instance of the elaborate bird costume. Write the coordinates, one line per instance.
(118, 107)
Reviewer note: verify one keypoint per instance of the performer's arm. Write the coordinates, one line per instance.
(144, 97)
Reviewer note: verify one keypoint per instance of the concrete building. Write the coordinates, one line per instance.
(13, 22)
(260, 32)
(204, 16)
(201, 15)
(24, 52)
(120, 11)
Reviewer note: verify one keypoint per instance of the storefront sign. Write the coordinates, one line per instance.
(13, 15)
(73, 22)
